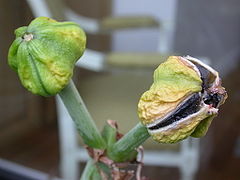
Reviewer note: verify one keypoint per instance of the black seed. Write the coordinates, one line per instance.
(213, 99)
(189, 107)
(205, 76)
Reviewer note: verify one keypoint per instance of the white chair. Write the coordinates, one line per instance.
(186, 158)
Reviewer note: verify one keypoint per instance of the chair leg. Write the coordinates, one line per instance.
(187, 173)
(69, 168)
(190, 158)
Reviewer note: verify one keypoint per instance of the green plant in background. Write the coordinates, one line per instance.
(184, 97)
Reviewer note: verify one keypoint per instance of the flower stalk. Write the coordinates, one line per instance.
(90, 171)
(81, 117)
(123, 150)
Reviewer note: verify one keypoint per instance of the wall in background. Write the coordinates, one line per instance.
(210, 28)
(203, 28)
(144, 39)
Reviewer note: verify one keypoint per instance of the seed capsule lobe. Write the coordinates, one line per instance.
(188, 107)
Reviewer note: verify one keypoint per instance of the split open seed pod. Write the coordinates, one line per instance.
(44, 54)
(182, 101)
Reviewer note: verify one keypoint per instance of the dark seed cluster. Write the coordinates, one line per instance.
(205, 76)
(213, 99)
(189, 107)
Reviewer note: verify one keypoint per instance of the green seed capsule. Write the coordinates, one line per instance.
(44, 54)
(182, 101)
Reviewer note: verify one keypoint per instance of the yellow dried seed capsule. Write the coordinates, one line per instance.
(182, 101)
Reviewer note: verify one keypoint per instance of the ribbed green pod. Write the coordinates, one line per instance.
(44, 54)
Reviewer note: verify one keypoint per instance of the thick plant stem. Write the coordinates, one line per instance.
(80, 115)
(90, 171)
(122, 149)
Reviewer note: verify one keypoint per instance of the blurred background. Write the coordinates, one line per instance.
(126, 41)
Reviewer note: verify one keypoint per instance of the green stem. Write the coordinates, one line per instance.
(123, 149)
(80, 115)
(90, 171)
